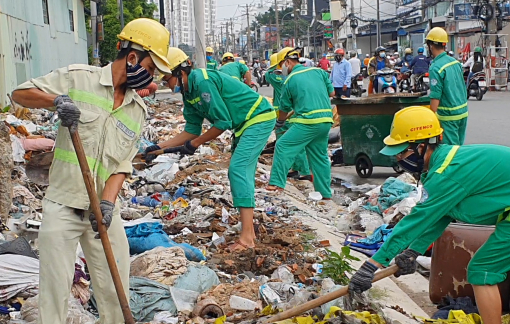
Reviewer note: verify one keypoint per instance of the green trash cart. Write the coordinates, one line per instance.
(365, 122)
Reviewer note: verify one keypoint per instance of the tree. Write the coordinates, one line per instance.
(111, 23)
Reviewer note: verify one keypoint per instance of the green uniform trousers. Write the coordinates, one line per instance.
(490, 264)
(61, 230)
(301, 162)
(243, 163)
(454, 131)
(314, 139)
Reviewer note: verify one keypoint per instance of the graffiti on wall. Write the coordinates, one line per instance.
(22, 46)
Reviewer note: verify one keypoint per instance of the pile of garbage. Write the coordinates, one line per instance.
(179, 220)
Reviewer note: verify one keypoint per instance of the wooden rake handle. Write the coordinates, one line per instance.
(326, 298)
(94, 203)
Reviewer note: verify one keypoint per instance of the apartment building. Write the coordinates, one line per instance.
(181, 22)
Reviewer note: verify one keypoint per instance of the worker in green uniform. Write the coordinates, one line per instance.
(237, 70)
(448, 97)
(300, 167)
(470, 184)
(307, 92)
(211, 62)
(227, 104)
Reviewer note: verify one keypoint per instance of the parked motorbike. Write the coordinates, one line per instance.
(477, 86)
(364, 72)
(262, 78)
(421, 83)
(357, 85)
(404, 81)
(386, 81)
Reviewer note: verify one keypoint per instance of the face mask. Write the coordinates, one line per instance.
(285, 70)
(382, 55)
(176, 89)
(137, 76)
(412, 164)
(208, 58)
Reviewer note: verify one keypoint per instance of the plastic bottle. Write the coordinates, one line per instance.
(241, 303)
(145, 201)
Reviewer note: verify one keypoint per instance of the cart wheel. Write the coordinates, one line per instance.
(364, 166)
(398, 169)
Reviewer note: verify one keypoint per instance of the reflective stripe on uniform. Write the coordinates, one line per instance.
(448, 159)
(504, 215)
(311, 121)
(447, 65)
(453, 108)
(255, 120)
(452, 118)
(298, 72)
(236, 78)
(70, 157)
(204, 72)
(106, 105)
(252, 109)
(316, 111)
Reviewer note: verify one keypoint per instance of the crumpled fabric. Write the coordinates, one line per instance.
(461, 303)
(24, 196)
(76, 314)
(163, 265)
(80, 290)
(392, 192)
(19, 274)
(381, 234)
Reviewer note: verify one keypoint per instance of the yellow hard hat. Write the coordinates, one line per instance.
(408, 51)
(151, 36)
(176, 57)
(437, 35)
(227, 55)
(273, 59)
(242, 62)
(209, 49)
(292, 52)
(412, 124)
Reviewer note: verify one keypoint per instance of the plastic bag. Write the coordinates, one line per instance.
(184, 300)
(76, 314)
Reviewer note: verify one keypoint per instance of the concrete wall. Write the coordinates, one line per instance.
(30, 48)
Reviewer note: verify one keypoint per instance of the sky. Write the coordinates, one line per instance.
(227, 8)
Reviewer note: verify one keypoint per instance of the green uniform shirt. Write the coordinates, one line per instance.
(470, 183)
(448, 86)
(223, 101)
(306, 91)
(212, 64)
(276, 81)
(235, 69)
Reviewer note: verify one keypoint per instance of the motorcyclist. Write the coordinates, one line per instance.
(406, 62)
(378, 62)
(451, 53)
(475, 63)
(420, 65)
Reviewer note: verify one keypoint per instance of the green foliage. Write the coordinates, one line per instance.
(111, 23)
(337, 266)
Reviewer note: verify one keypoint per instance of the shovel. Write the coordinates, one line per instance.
(326, 298)
(94, 203)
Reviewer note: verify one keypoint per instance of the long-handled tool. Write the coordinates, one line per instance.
(94, 203)
(326, 298)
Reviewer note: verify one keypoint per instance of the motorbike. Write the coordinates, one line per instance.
(421, 83)
(357, 85)
(364, 71)
(477, 86)
(386, 81)
(404, 81)
(253, 85)
(262, 78)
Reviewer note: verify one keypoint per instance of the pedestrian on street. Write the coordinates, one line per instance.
(468, 184)
(341, 75)
(307, 92)
(237, 70)
(447, 89)
(300, 168)
(366, 60)
(324, 63)
(103, 104)
(355, 63)
(212, 64)
(228, 105)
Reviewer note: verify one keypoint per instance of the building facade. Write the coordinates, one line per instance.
(181, 22)
(38, 36)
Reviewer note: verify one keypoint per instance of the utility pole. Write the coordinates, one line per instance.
(221, 38)
(378, 29)
(277, 26)
(95, 47)
(296, 11)
(248, 33)
(199, 9)
(172, 23)
(162, 12)
(120, 4)
(353, 29)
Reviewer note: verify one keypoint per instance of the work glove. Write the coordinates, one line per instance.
(107, 211)
(362, 279)
(279, 124)
(186, 149)
(406, 262)
(68, 113)
(150, 157)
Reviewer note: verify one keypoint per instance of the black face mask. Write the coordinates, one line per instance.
(413, 164)
(137, 76)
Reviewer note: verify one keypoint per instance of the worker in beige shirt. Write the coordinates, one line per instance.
(103, 104)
